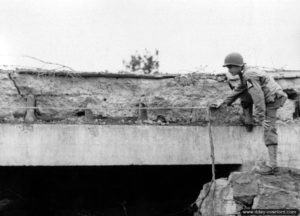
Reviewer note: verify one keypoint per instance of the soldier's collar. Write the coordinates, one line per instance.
(244, 68)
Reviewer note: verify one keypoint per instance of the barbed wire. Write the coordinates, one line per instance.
(47, 62)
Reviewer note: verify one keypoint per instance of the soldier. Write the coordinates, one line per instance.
(258, 88)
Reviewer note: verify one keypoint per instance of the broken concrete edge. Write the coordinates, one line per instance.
(277, 74)
(122, 75)
(95, 74)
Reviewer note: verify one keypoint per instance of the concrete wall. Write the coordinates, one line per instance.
(63, 97)
(57, 144)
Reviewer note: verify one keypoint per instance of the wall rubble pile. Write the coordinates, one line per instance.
(247, 190)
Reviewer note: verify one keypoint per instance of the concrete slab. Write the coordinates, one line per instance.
(61, 144)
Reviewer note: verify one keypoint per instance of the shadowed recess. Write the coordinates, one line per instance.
(111, 190)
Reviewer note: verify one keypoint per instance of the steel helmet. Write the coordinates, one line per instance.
(234, 59)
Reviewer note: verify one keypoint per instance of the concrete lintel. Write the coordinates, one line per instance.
(57, 144)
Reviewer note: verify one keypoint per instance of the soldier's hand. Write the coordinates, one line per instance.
(216, 104)
(257, 121)
(266, 124)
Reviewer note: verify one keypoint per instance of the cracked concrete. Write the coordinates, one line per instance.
(14, 82)
(116, 97)
(10, 99)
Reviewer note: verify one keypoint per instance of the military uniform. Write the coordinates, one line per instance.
(258, 87)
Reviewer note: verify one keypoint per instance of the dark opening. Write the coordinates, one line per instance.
(80, 113)
(294, 95)
(291, 93)
(103, 191)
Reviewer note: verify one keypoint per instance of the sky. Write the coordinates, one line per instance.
(97, 35)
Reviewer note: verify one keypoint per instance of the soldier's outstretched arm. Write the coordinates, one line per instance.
(237, 91)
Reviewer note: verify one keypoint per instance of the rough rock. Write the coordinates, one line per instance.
(286, 113)
(248, 190)
(222, 206)
(184, 92)
(113, 97)
(59, 98)
(10, 99)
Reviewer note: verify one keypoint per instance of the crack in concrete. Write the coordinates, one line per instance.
(15, 84)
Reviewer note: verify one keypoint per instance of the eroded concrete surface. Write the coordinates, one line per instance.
(75, 98)
(95, 120)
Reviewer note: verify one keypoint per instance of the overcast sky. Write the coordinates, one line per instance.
(96, 35)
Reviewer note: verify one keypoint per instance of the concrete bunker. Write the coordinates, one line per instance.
(82, 116)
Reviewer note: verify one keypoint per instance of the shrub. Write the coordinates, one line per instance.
(146, 63)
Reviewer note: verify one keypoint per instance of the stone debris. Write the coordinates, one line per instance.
(247, 190)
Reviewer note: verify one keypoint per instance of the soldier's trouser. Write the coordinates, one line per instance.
(247, 105)
(270, 132)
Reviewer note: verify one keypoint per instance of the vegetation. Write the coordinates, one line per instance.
(145, 63)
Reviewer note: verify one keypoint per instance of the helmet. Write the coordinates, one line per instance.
(233, 59)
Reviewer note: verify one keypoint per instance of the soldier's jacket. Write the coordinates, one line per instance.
(262, 88)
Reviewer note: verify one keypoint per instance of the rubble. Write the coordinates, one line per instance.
(247, 190)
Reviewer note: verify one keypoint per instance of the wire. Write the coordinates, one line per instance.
(97, 108)
(212, 154)
(46, 62)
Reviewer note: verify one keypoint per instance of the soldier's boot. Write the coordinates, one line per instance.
(272, 169)
(272, 149)
(264, 170)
